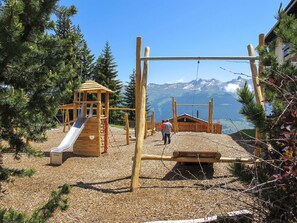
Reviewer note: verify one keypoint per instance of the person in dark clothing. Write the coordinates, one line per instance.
(167, 131)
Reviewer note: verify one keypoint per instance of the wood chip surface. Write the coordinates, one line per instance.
(101, 186)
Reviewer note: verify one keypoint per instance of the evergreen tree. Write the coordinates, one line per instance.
(86, 59)
(66, 32)
(280, 86)
(34, 77)
(105, 73)
(129, 95)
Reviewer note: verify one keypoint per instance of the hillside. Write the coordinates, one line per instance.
(226, 106)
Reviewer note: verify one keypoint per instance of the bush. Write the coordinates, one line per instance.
(40, 215)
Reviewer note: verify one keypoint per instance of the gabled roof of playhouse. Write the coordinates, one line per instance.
(92, 86)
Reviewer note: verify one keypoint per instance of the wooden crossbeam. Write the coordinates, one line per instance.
(196, 159)
(201, 58)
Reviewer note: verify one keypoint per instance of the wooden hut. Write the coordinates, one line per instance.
(188, 123)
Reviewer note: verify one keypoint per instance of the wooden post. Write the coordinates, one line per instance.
(211, 115)
(260, 68)
(66, 120)
(99, 111)
(75, 105)
(140, 126)
(106, 145)
(137, 79)
(173, 115)
(127, 128)
(258, 96)
(85, 98)
(153, 123)
(208, 121)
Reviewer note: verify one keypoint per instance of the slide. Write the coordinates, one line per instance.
(71, 136)
(68, 141)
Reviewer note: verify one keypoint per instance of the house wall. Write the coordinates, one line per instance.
(279, 53)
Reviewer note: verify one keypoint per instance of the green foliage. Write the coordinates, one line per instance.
(129, 95)
(105, 73)
(12, 216)
(86, 59)
(5, 173)
(56, 200)
(40, 215)
(37, 70)
(252, 111)
(278, 190)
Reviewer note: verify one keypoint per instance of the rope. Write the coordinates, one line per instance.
(114, 140)
(197, 72)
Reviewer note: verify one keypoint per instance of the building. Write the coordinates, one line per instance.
(282, 49)
(188, 123)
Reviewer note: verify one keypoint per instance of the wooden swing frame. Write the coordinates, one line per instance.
(141, 88)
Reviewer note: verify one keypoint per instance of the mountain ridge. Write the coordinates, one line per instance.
(226, 106)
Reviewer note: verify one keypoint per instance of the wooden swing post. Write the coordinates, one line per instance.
(140, 98)
(258, 96)
(141, 119)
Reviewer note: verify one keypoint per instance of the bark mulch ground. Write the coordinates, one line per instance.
(101, 186)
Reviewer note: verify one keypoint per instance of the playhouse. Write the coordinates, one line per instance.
(89, 134)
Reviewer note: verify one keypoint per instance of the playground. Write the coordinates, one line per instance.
(101, 185)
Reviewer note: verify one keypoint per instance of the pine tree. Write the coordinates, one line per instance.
(129, 95)
(69, 38)
(105, 73)
(280, 86)
(34, 77)
(86, 59)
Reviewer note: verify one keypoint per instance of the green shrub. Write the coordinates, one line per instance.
(40, 215)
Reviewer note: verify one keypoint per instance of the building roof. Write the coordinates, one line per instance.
(190, 117)
(290, 9)
(92, 86)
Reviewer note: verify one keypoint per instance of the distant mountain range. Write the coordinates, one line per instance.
(226, 106)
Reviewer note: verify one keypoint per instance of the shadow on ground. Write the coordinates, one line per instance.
(192, 171)
(245, 141)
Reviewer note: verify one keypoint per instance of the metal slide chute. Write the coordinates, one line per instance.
(70, 138)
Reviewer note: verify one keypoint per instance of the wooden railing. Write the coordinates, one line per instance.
(194, 127)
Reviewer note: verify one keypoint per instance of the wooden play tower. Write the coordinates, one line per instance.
(92, 98)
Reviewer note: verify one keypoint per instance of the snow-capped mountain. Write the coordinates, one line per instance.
(226, 106)
(202, 85)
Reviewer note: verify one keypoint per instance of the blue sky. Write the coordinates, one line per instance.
(176, 28)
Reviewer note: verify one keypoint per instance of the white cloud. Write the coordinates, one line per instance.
(231, 88)
(180, 80)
